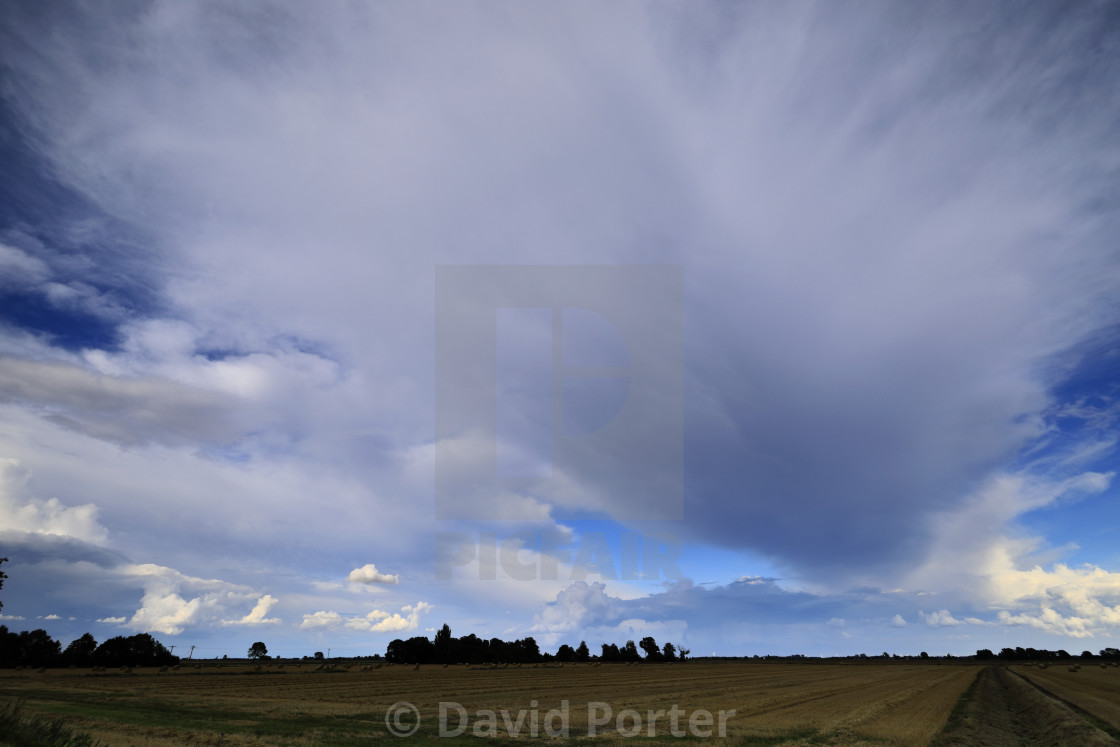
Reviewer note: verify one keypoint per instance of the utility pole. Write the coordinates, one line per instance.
(172, 650)
(328, 653)
(191, 654)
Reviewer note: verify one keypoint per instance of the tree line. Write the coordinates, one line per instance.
(470, 649)
(37, 649)
(1034, 654)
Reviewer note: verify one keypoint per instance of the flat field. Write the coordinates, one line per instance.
(1003, 708)
(773, 703)
(1092, 689)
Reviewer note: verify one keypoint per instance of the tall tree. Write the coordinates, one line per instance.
(444, 645)
(258, 650)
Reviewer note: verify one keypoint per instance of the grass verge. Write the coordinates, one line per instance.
(25, 730)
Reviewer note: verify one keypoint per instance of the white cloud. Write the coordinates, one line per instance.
(44, 517)
(375, 622)
(976, 558)
(163, 609)
(259, 614)
(1076, 602)
(1051, 621)
(11, 617)
(939, 619)
(898, 621)
(52, 617)
(368, 574)
(112, 620)
(166, 613)
(580, 605)
(383, 622)
(321, 619)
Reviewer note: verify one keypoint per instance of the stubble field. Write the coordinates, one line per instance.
(773, 703)
(1092, 689)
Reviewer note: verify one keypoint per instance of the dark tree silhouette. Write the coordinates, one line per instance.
(416, 650)
(472, 649)
(528, 649)
(583, 653)
(80, 651)
(669, 652)
(2, 577)
(30, 649)
(444, 645)
(133, 651)
(653, 653)
(258, 651)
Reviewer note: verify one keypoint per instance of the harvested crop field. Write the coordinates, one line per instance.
(1091, 689)
(1002, 708)
(773, 702)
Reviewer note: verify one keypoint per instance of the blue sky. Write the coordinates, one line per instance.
(884, 346)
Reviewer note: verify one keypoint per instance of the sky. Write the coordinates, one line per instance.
(759, 328)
